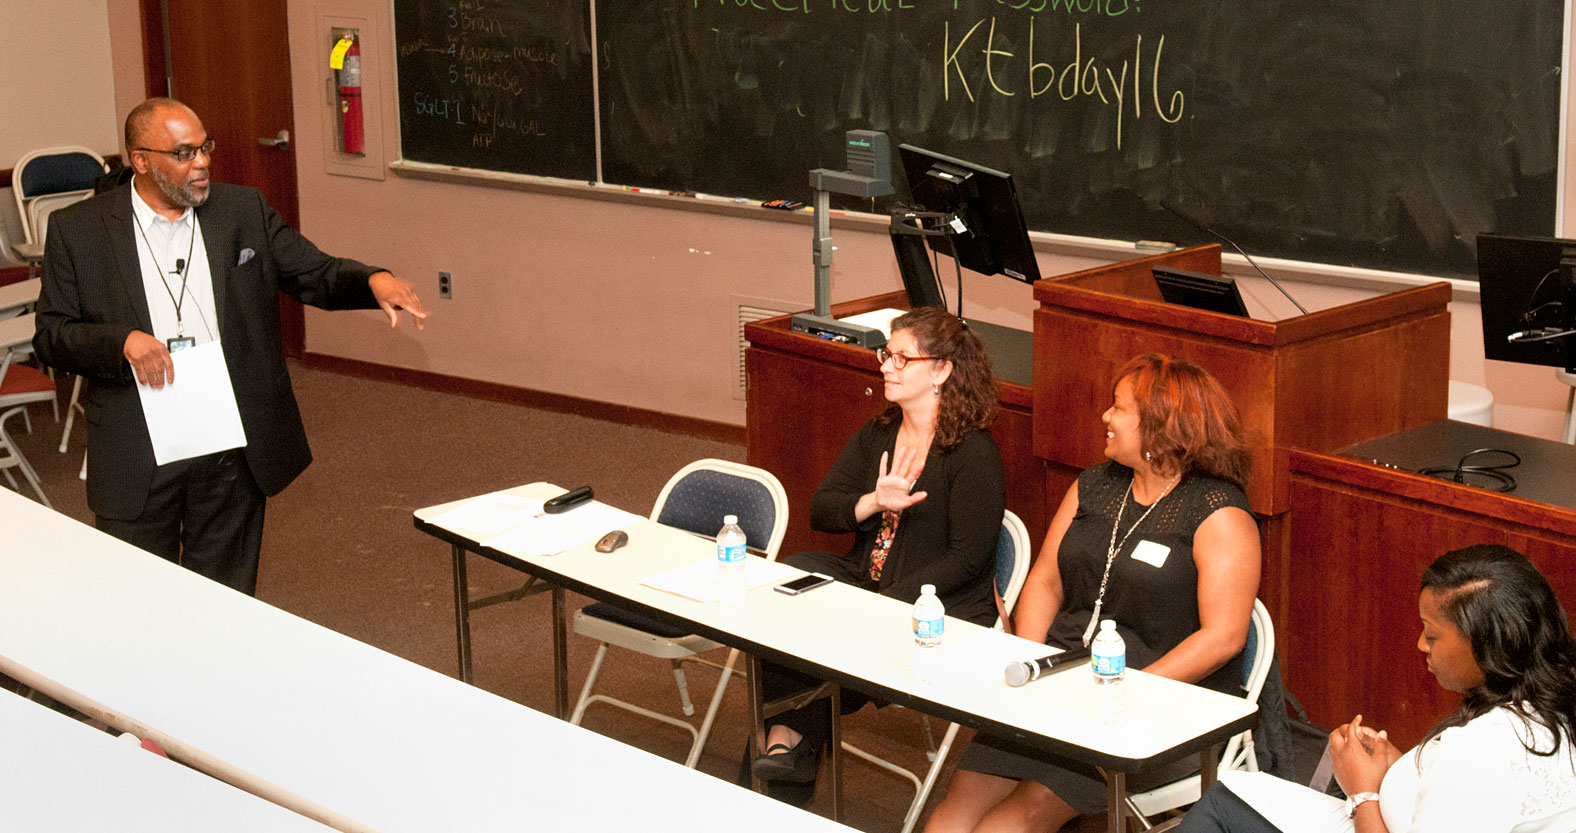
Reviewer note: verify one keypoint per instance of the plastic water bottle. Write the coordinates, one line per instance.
(929, 626)
(730, 562)
(1108, 659)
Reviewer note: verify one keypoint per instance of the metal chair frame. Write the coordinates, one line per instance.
(1238, 753)
(12, 404)
(21, 182)
(683, 649)
(1015, 535)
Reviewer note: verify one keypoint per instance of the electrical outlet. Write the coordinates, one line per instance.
(445, 285)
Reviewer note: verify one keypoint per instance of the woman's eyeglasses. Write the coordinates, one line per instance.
(899, 361)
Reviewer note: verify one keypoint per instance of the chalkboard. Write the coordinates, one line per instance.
(1382, 135)
(499, 85)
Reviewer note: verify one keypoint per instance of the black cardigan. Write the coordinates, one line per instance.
(948, 539)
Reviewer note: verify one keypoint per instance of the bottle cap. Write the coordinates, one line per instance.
(1108, 624)
(927, 590)
(729, 519)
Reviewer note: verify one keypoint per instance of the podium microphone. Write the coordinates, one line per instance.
(1166, 204)
(1018, 673)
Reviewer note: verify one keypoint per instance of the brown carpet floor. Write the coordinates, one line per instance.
(339, 549)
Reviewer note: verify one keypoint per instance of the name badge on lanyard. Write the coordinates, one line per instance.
(176, 345)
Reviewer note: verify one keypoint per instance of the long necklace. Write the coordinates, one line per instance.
(1115, 546)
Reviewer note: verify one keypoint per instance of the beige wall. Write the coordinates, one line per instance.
(49, 100)
(125, 50)
(632, 303)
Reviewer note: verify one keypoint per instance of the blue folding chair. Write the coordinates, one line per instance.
(1013, 554)
(695, 500)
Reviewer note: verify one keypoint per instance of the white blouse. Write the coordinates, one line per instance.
(1477, 778)
(1481, 777)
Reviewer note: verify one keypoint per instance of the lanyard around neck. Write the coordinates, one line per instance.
(182, 268)
(1116, 546)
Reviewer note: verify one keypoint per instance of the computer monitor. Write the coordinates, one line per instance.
(1199, 290)
(993, 238)
(1525, 293)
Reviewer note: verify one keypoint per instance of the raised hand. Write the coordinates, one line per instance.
(894, 486)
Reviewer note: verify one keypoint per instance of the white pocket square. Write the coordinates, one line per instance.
(246, 254)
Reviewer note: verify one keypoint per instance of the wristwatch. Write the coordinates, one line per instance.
(1353, 801)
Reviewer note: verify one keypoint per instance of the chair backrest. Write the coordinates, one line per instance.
(697, 497)
(41, 207)
(1012, 560)
(1256, 655)
(52, 171)
(1257, 651)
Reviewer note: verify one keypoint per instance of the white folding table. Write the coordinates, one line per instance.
(864, 641)
(59, 776)
(19, 295)
(313, 720)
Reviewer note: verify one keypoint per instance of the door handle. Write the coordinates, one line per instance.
(282, 141)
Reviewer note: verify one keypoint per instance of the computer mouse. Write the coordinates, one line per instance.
(612, 541)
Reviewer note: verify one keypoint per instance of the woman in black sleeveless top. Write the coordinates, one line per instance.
(1158, 539)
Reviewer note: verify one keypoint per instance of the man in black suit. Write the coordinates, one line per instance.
(170, 262)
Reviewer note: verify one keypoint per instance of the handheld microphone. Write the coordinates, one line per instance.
(180, 266)
(1018, 673)
(1166, 204)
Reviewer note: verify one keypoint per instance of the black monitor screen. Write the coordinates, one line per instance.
(995, 239)
(1521, 290)
(1200, 290)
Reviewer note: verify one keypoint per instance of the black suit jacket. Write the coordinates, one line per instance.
(93, 298)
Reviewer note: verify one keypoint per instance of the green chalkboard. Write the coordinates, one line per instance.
(1381, 135)
(497, 85)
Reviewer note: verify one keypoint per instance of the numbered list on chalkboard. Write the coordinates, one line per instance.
(494, 85)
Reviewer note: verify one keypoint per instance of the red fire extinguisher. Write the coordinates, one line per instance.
(350, 125)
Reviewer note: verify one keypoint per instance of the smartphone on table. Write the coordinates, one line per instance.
(803, 584)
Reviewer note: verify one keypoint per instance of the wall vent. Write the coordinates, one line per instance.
(746, 311)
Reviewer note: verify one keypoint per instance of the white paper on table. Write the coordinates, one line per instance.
(983, 656)
(1291, 807)
(196, 414)
(701, 581)
(490, 514)
(552, 534)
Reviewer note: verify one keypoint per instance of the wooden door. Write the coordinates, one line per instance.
(230, 62)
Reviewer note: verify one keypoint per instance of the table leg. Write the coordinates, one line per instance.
(757, 720)
(1208, 767)
(462, 614)
(1116, 802)
(560, 655)
(837, 753)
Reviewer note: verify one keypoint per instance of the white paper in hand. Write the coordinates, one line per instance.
(196, 414)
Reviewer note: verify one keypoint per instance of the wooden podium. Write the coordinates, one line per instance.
(1365, 524)
(1320, 381)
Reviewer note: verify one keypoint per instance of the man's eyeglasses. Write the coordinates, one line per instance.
(899, 361)
(185, 154)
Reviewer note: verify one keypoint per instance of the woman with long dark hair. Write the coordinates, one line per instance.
(1159, 539)
(921, 488)
(1502, 762)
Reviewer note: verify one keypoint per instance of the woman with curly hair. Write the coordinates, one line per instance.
(1502, 762)
(1158, 539)
(921, 488)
